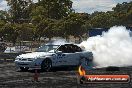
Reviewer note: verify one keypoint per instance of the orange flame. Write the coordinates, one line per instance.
(81, 71)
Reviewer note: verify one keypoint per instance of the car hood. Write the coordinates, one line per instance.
(34, 55)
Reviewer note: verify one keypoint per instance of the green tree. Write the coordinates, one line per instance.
(19, 10)
(26, 32)
(56, 9)
(71, 26)
(2, 23)
(46, 15)
(103, 20)
(4, 15)
(14, 32)
(37, 14)
(124, 7)
(124, 13)
(10, 32)
(41, 30)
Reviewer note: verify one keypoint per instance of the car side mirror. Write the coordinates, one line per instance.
(51, 51)
(59, 52)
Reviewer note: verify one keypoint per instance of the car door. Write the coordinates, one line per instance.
(72, 59)
(68, 55)
(73, 56)
(61, 56)
(67, 59)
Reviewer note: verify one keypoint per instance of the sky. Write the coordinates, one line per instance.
(87, 6)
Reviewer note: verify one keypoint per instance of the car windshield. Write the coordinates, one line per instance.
(47, 48)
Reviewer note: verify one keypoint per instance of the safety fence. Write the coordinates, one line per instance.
(8, 57)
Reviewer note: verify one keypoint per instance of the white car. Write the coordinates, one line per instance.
(48, 56)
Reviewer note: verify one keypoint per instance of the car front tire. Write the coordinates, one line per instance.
(46, 65)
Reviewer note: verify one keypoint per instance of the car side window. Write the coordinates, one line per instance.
(61, 48)
(76, 48)
(69, 48)
(65, 49)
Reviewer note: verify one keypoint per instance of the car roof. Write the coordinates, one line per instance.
(60, 44)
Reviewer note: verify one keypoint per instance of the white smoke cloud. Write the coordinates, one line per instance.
(59, 42)
(112, 48)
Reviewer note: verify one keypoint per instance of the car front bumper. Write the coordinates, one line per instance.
(29, 64)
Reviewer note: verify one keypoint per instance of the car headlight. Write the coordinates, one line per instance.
(17, 58)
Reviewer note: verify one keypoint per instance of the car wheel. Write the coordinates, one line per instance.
(24, 68)
(46, 65)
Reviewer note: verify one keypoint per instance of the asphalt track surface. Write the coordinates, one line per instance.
(10, 77)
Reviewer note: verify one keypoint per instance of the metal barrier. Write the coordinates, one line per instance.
(7, 60)
(8, 57)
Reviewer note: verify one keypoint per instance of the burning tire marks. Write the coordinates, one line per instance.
(10, 78)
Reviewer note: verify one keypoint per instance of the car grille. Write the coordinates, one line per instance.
(25, 59)
(30, 59)
(22, 59)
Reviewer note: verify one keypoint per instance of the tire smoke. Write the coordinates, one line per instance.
(112, 48)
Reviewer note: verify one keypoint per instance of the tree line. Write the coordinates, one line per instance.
(26, 20)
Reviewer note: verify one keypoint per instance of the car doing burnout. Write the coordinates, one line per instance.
(49, 56)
